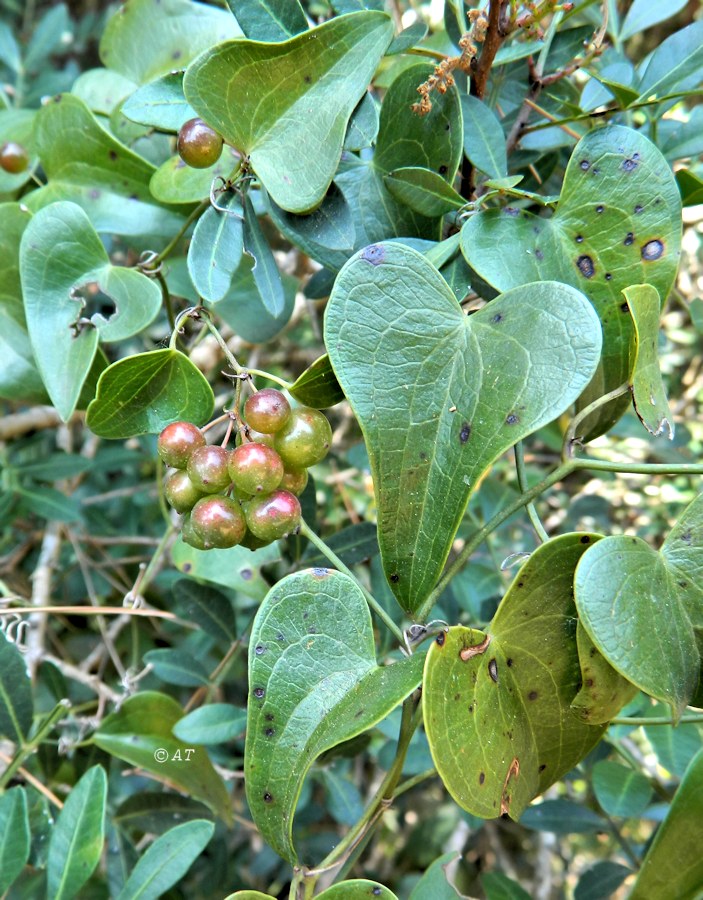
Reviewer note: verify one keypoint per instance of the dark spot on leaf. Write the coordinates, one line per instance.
(373, 254)
(269, 717)
(509, 662)
(608, 276)
(447, 127)
(639, 208)
(600, 208)
(259, 693)
(246, 574)
(585, 539)
(624, 307)
(493, 670)
(187, 567)
(269, 732)
(585, 266)
(280, 637)
(683, 584)
(395, 578)
(259, 649)
(481, 777)
(441, 637)
(471, 707)
(520, 584)
(268, 798)
(589, 682)
(457, 696)
(542, 767)
(652, 250)
(423, 456)
(629, 239)
(585, 165)
(307, 79)
(498, 317)
(629, 165)
(443, 170)
(511, 211)
(686, 537)
(533, 695)
(320, 572)
(176, 54)
(113, 155)
(512, 419)
(579, 238)
(465, 433)
(312, 630)
(596, 171)
(358, 713)
(593, 652)
(538, 254)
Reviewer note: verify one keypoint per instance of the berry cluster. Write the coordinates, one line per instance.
(248, 495)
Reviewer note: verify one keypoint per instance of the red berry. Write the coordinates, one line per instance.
(190, 537)
(294, 480)
(273, 517)
(305, 438)
(176, 443)
(13, 158)
(199, 146)
(267, 410)
(218, 522)
(255, 468)
(180, 492)
(207, 469)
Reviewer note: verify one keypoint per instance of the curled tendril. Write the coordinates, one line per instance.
(146, 259)
(224, 188)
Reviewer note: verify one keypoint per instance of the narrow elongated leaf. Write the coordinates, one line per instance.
(216, 249)
(160, 104)
(601, 880)
(648, 391)
(269, 20)
(156, 813)
(14, 835)
(294, 100)
(143, 394)
(436, 400)
(484, 140)
(499, 887)
(140, 732)
(76, 842)
(497, 705)
(16, 705)
(266, 275)
(562, 816)
(423, 190)
(620, 790)
(207, 607)
(317, 386)
(175, 666)
(617, 183)
(167, 860)
(313, 683)
(409, 37)
(673, 866)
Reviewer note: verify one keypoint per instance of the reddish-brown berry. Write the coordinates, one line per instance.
(199, 146)
(190, 537)
(207, 469)
(273, 517)
(267, 411)
(255, 468)
(176, 443)
(218, 522)
(14, 159)
(294, 480)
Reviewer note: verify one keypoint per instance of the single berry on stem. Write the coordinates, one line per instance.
(273, 517)
(305, 438)
(176, 443)
(199, 146)
(255, 468)
(218, 522)
(294, 481)
(180, 492)
(14, 159)
(267, 411)
(207, 469)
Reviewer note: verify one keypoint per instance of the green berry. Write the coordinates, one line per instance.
(294, 481)
(258, 437)
(176, 443)
(199, 146)
(267, 411)
(218, 522)
(14, 159)
(190, 537)
(207, 469)
(305, 438)
(180, 492)
(253, 543)
(273, 517)
(255, 468)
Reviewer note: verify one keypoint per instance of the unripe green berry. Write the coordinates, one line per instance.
(176, 443)
(294, 481)
(267, 411)
(180, 492)
(190, 537)
(273, 517)
(305, 438)
(255, 468)
(207, 469)
(14, 159)
(218, 522)
(199, 146)
(258, 437)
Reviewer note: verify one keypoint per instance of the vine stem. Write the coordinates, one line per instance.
(316, 541)
(657, 720)
(522, 483)
(570, 433)
(25, 750)
(169, 248)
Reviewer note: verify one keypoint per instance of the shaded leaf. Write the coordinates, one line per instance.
(562, 817)
(603, 691)
(499, 887)
(363, 125)
(434, 882)
(216, 248)
(317, 386)
(207, 607)
(352, 545)
(601, 880)
(407, 38)
(484, 141)
(691, 187)
(16, 704)
(160, 104)
(620, 790)
(176, 666)
(648, 391)
(643, 14)
(265, 270)
(313, 683)
(237, 567)
(149, 812)
(215, 723)
(143, 394)
(269, 20)
(14, 835)
(423, 190)
(415, 369)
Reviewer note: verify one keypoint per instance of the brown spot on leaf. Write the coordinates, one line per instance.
(468, 653)
(268, 798)
(533, 695)
(585, 266)
(441, 638)
(653, 250)
(481, 777)
(493, 670)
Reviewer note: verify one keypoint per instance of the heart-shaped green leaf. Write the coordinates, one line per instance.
(236, 568)
(497, 705)
(317, 386)
(286, 106)
(648, 391)
(313, 683)
(440, 395)
(61, 253)
(618, 223)
(640, 607)
(142, 394)
(140, 732)
(603, 691)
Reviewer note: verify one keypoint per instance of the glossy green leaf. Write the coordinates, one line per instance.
(639, 607)
(499, 887)
(690, 186)
(673, 866)
(313, 683)
(294, 100)
(648, 391)
(562, 816)
(620, 790)
(357, 889)
(176, 666)
(86, 165)
(603, 691)
(678, 58)
(617, 184)
(434, 397)
(484, 140)
(497, 705)
(77, 838)
(160, 104)
(408, 38)
(684, 137)
(184, 28)
(423, 190)
(601, 880)
(15, 218)
(674, 746)
(216, 248)
(237, 567)
(353, 544)
(175, 182)
(14, 836)
(265, 270)
(216, 723)
(167, 860)
(207, 607)
(16, 705)
(317, 386)
(434, 882)
(142, 394)
(643, 14)
(623, 93)
(141, 733)
(269, 20)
